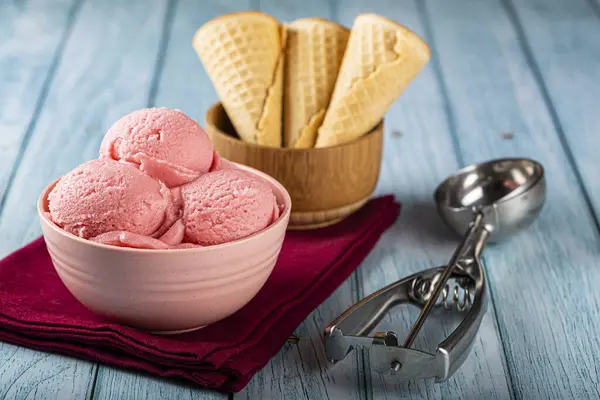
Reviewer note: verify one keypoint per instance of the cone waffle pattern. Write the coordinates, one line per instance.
(381, 59)
(314, 51)
(242, 54)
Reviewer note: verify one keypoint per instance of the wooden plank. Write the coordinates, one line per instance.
(27, 374)
(104, 72)
(119, 384)
(543, 281)
(560, 39)
(301, 371)
(418, 154)
(595, 4)
(288, 11)
(31, 39)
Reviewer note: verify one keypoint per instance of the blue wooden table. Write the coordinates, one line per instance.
(506, 78)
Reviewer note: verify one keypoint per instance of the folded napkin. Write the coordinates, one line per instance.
(37, 311)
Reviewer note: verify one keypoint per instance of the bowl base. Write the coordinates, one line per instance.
(305, 220)
(306, 227)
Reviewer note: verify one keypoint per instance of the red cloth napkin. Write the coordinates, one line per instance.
(37, 311)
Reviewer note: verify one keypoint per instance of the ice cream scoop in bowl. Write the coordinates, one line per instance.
(166, 291)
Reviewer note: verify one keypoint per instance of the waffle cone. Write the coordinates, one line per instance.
(243, 56)
(313, 55)
(381, 59)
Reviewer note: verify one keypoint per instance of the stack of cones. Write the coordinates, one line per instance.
(309, 83)
(314, 54)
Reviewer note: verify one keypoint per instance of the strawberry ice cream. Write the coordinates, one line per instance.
(159, 184)
(226, 205)
(104, 195)
(219, 163)
(166, 144)
(134, 240)
(128, 239)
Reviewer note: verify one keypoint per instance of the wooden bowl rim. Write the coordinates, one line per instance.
(210, 117)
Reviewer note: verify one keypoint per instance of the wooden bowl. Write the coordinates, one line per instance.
(325, 184)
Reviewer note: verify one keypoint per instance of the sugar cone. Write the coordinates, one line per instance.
(314, 51)
(381, 59)
(243, 56)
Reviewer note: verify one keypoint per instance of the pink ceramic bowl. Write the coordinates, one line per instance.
(166, 291)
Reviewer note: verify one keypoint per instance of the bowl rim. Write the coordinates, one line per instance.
(283, 218)
(356, 142)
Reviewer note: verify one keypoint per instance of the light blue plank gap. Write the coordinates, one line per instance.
(334, 10)
(162, 51)
(594, 4)
(493, 302)
(435, 65)
(363, 362)
(92, 390)
(41, 101)
(435, 61)
(363, 373)
(526, 48)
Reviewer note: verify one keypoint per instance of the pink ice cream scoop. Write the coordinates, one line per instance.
(166, 144)
(219, 163)
(226, 205)
(104, 195)
(133, 240)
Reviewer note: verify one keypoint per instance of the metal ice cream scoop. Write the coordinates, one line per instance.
(487, 201)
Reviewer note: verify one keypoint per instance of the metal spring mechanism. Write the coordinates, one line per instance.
(451, 297)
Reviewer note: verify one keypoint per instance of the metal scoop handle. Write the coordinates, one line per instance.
(471, 238)
(349, 330)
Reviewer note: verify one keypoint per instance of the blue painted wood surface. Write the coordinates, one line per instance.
(531, 68)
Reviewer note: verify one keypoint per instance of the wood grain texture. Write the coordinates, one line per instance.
(115, 383)
(595, 4)
(28, 374)
(324, 184)
(558, 37)
(544, 280)
(418, 154)
(31, 39)
(302, 371)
